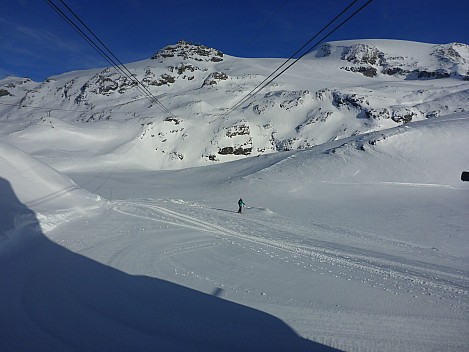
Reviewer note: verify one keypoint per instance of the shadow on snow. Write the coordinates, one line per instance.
(52, 299)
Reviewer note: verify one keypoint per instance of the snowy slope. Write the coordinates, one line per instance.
(371, 229)
(340, 90)
(355, 233)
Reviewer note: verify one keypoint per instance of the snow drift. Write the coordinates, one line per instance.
(53, 196)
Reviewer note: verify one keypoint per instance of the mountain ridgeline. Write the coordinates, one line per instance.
(340, 90)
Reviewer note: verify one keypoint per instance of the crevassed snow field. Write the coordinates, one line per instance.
(358, 244)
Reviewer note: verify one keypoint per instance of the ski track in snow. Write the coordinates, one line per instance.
(393, 274)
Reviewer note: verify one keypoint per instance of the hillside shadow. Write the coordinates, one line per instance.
(52, 299)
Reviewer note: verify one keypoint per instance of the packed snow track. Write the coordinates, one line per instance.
(267, 261)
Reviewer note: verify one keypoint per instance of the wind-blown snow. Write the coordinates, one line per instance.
(358, 243)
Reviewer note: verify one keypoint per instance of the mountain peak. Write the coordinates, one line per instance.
(188, 50)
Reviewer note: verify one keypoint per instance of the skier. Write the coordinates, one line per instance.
(241, 205)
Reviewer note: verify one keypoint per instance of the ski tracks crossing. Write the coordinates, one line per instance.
(276, 237)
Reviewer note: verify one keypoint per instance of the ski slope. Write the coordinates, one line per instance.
(358, 244)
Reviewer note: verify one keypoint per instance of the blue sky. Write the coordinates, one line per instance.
(35, 42)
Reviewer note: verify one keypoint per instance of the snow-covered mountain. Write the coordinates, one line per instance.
(340, 90)
(355, 210)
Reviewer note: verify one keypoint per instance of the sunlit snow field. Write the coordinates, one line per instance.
(119, 228)
(358, 244)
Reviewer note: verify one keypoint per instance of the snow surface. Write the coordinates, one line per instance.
(357, 244)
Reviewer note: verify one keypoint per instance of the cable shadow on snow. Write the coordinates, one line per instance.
(52, 196)
(52, 299)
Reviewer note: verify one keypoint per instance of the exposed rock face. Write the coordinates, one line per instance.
(4, 92)
(176, 120)
(437, 74)
(395, 71)
(363, 54)
(164, 79)
(455, 53)
(239, 140)
(238, 130)
(186, 50)
(449, 60)
(239, 150)
(367, 71)
(364, 105)
(110, 81)
(104, 83)
(214, 78)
